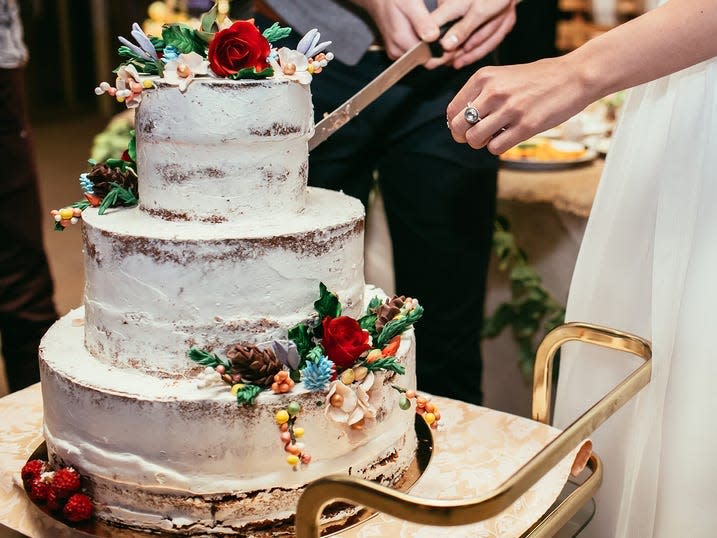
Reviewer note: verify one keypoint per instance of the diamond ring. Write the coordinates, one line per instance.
(471, 115)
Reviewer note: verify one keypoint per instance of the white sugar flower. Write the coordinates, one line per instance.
(181, 72)
(357, 403)
(293, 64)
(129, 86)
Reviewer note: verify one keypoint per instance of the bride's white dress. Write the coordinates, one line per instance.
(648, 265)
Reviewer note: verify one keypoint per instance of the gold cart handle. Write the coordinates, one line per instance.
(461, 512)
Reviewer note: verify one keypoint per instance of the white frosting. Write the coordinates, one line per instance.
(210, 285)
(227, 246)
(224, 149)
(167, 436)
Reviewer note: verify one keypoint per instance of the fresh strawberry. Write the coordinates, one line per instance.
(38, 490)
(65, 482)
(78, 508)
(31, 470)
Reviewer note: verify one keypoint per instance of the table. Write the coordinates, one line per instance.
(475, 450)
(571, 189)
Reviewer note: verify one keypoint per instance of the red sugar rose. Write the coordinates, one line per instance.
(344, 340)
(238, 47)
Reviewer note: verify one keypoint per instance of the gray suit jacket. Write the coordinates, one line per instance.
(350, 28)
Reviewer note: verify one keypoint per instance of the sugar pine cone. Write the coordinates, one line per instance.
(388, 310)
(102, 176)
(255, 366)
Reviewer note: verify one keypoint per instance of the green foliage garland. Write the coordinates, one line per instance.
(531, 311)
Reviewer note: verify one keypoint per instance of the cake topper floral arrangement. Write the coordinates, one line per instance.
(227, 49)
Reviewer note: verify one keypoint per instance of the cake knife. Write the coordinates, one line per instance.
(417, 55)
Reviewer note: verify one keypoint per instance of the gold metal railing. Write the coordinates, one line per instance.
(460, 512)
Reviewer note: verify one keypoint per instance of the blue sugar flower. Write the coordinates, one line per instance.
(86, 184)
(316, 375)
(170, 53)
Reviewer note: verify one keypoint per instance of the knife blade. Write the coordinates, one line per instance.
(419, 54)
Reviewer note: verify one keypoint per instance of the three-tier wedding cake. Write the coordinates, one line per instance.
(228, 351)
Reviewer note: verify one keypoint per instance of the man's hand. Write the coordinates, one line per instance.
(402, 23)
(482, 25)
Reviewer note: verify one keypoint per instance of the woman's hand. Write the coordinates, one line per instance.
(516, 102)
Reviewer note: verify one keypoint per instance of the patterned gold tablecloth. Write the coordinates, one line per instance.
(476, 449)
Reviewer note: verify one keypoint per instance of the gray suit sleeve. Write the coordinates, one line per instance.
(338, 21)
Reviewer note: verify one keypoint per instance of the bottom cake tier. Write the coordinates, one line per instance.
(180, 455)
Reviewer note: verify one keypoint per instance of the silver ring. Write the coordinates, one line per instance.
(470, 114)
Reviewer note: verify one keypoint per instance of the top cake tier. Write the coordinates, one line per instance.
(224, 150)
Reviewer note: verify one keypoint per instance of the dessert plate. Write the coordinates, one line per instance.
(552, 164)
(418, 466)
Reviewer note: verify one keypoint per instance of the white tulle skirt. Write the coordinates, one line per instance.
(648, 265)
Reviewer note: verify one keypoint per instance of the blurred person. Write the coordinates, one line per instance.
(439, 197)
(648, 260)
(26, 288)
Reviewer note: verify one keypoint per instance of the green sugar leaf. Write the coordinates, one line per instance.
(132, 147)
(328, 303)
(315, 354)
(368, 323)
(247, 394)
(301, 336)
(276, 32)
(183, 38)
(251, 73)
(397, 326)
(208, 359)
(386, 363)
(209, 18)
(373, 305)
(118, 195)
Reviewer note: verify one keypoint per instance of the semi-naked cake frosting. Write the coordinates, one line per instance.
(227, 249)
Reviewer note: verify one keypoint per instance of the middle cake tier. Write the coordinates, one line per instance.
(155, 288)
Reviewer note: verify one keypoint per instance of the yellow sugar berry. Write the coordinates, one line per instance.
(298, 432)
(120, 99)
(292, 459)
(146, 83)
(374, 355)
(348, 377)
(66, 213)
(430, 418)
(281, 417)
(236, 388)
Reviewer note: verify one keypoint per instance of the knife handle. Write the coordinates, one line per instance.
(435, 46)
